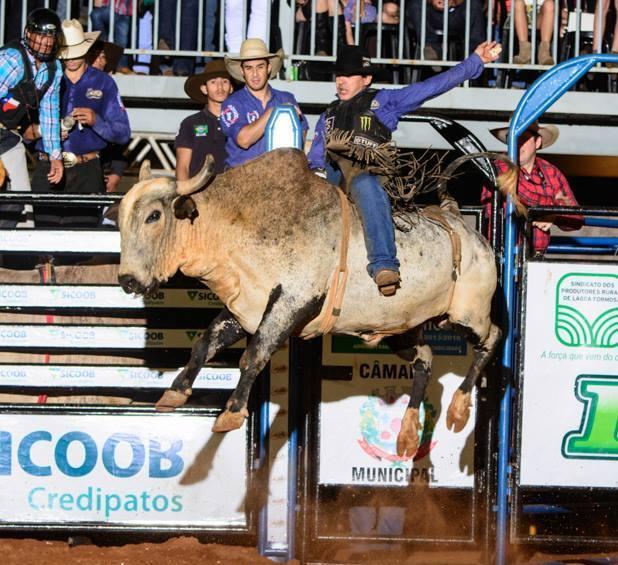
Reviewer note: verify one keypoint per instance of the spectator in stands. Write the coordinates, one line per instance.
(235, 18)
(356, 129)
(540, 183)
(201, 134)
(246, 112)
(100, 18)
(104, 56)
(367, 14)
(93, 117)
(434, 24)
(189, 22)
(600, 17)
(29, 94)
(545, 25)
(324, 23)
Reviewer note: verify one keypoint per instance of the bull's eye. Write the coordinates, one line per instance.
(153, 217)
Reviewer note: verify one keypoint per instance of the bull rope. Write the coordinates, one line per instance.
(336, 290)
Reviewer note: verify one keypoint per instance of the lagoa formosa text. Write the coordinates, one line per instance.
(46, 460)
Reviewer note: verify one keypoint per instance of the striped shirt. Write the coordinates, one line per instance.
(12, 72)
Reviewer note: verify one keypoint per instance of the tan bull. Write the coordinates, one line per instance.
(265, 237)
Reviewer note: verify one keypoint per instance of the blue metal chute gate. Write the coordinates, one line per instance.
(553, 505)
(556, 484)
(78, 467)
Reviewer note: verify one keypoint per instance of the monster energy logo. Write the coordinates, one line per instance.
(596, 437)
(365, 122)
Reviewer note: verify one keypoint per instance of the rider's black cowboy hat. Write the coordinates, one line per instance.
(353, 60)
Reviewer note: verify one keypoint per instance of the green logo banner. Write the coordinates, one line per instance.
(587, 310)
(597, 436)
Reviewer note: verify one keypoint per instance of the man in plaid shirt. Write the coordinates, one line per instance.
(540, 183)
(29, 102)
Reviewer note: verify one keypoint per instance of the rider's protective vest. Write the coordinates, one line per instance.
(356, 116)
(19, 108)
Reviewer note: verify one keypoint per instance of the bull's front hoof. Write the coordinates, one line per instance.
(171, 400)
(458, 412)
(228, 421)
(408, 437)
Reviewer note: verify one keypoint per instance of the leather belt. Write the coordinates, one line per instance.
(71, 159)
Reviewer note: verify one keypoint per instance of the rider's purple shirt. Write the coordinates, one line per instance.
(394, 103)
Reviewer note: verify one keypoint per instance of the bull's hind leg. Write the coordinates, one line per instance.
(283, 315)
(222, 332)
(459, 409)
(412, 348)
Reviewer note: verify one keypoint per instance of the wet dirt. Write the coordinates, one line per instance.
(176, 551)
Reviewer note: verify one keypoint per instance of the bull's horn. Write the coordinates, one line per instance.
(186, 187)
(144, 171)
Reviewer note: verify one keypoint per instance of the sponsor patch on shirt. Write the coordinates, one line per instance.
(94, 94)
(229, 115)
(252, 116)
(374, 104)
(200, 130)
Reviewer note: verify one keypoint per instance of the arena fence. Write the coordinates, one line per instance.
(206, 28)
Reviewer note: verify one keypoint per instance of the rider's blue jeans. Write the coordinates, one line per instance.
(374, 209)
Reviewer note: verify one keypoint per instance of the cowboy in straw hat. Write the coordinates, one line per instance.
(246, 112)
(76, 43)
(539, 184)
(200, 134)
(354, 136)
(93, 118)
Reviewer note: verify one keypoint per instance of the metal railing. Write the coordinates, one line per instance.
(191, 32)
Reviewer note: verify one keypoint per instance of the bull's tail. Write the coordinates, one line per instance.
(506, 181)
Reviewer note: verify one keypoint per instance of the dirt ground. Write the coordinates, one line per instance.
(189, 551)
(176, 551)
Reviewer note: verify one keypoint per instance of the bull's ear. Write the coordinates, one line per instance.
(184, 207)
(112, 212)
(144, 171)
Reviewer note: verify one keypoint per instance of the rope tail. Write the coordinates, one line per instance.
(506, 181)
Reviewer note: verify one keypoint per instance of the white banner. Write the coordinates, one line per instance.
(360, 419)
(570, 379)
(121, 469)
(58, 241)
(97, 376)
(88, 296)
(105, 337)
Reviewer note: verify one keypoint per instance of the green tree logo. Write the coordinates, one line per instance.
(587, 310)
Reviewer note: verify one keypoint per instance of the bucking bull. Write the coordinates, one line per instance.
(268, 238)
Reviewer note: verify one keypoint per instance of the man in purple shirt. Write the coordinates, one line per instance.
(369, 117)
(93, 116)
(246, 112)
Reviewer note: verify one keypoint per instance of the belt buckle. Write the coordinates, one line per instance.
(69, 159)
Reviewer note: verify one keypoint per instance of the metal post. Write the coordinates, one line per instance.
(542, 94)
